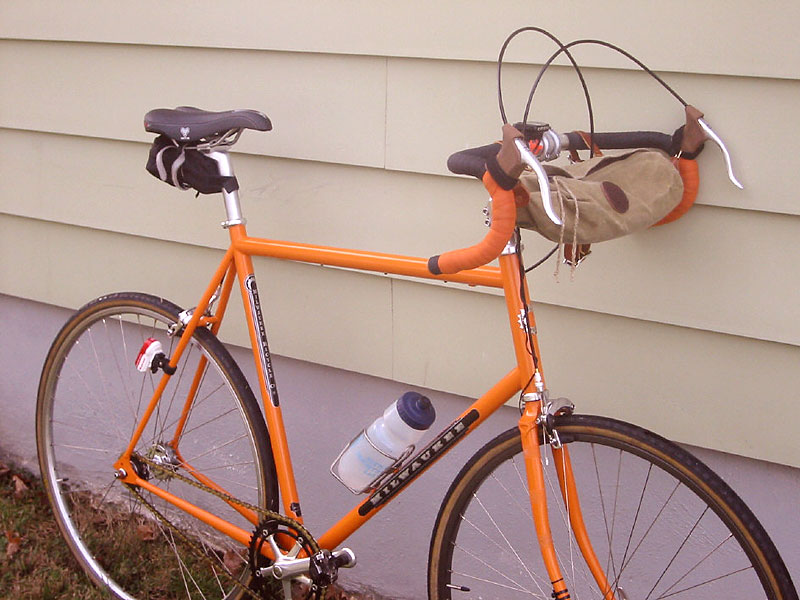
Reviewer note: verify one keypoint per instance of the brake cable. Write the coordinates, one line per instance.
(565, 49)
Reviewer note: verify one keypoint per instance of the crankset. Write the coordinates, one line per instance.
(316, 569)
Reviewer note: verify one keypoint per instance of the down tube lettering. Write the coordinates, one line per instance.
(263, 346)
(419, 463)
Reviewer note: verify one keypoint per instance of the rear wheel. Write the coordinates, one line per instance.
(661, 523)
(91, 397)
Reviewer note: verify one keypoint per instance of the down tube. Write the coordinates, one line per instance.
(502, 391)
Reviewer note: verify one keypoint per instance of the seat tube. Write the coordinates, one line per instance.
(266, 376)
(523, 331)
(235, 224)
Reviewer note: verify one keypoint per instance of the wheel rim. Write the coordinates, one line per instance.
(85, 421)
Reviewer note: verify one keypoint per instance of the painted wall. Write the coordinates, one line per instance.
(692, 319)
(692, 329)
(392, 549)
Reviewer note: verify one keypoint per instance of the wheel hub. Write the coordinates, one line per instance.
(164, 456)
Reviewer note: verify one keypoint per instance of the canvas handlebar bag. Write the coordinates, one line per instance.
(602, 198)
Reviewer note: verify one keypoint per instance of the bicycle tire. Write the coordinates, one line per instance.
(90, 395)
(661, 523)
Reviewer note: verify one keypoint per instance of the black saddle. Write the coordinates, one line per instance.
(186, 124)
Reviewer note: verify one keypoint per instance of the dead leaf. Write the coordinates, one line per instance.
(300, 590)
(14, 543)
(147, 531)
(232, 561)
(4, 469)
(20, 487)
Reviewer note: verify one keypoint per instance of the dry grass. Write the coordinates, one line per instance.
(36, 564)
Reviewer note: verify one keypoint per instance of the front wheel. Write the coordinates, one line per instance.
(661, 523)
(91, 398)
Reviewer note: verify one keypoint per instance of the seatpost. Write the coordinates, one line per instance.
(233, 208)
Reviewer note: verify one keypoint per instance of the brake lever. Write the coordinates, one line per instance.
(544, 184)
(712, 135)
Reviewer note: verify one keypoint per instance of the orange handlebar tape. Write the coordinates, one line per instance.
(504, 219)
(691, 183)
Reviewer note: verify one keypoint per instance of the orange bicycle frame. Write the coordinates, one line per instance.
(526, 378)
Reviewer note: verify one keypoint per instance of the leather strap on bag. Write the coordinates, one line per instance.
(574, 254)
(573, 154)
(693, 138)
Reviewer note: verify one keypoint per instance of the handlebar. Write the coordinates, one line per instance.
(541, 142)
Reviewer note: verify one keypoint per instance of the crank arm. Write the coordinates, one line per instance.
(287, 568)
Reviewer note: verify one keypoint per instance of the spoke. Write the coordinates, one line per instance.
(652, 524)
(614, 510)
(146, 376)
(83, 448)
(483, 533)
(215, 448)
(218, 479)
(742, 570)
(517, 586)
(636, 516)
(674, 556)
(211, 420)
(610, 561)
(216, 578)
(497, 583)
(191, 576)
(194, 405)
(227, 466)
(701, 561)
(209, 552)
(90, 393)
(105, 494)
(510, 547)
(116, 363)
(633, 526)
(195, 402)
(176, 381)
(169, 537)
(124, 349)
(524, 510)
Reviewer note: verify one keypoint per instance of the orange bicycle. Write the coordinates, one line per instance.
(167, 482)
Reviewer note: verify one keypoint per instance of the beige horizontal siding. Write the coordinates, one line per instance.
(436, 107)
(690, 385)
(341, 319)
(715, 36)
(678, 328)
(717, 269)
(104, 91)
(401, 114)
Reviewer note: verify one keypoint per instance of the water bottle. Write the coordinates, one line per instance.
(373, 451)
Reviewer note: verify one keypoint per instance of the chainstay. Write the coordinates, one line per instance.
(262, 512)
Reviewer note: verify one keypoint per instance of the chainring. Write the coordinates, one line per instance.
(265, 533)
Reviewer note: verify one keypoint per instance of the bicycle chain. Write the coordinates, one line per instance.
(262, 512)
